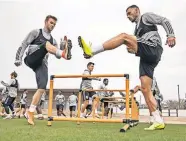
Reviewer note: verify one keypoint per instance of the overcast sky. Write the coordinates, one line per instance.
(96, 21)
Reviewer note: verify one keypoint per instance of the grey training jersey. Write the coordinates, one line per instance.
(102, 93)
(86, 82)
(24, 98)
(60, 99)
(72, 100)
(32, 48)
(12, 91)
(153, 38)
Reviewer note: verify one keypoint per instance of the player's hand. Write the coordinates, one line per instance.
(171, 41)
(17, 63)
(130, 50)
(2, 82)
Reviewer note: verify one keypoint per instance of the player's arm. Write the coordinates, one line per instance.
(87, 73)
(63, 98)
(25, 43)
(56, 98)
(151, 18)
(136, 89)
(161, 97)
(12, 81)
(3, 91)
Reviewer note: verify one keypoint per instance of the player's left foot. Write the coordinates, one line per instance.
(67, 48)
(156, 126)
(86, 48)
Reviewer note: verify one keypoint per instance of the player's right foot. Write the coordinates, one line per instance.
(156, 126)
(30, 118)
(67, 48)
(86, 48)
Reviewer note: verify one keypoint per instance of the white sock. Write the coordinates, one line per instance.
(157, 116)
(152, 119)
(40, 115)
(58, 53)
(97, 49)
(32, 108)
(96, 111)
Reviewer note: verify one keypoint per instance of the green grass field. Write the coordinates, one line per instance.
(19, 130)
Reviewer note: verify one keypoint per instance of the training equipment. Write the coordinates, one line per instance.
(131, 118)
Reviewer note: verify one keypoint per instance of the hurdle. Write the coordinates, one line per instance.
(129, 120)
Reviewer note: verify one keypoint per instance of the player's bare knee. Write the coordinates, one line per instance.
(123, 35)
(41, 91)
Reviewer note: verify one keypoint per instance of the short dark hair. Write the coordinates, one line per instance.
(90, 63)
(25, 90)
(105, 79)
(132, 6)
(50, 16)
(14, 74)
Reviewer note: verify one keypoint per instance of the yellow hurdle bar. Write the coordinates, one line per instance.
(88, 120)
(93, 75)
(79, 100)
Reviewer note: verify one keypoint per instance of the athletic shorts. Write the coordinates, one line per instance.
(23, 105)
(87, 95)
(105, 104)
(35, 59)
(35, 62)
(9, 101)
(89, 108)
(72, 108)
(149, 58)
(59, 106)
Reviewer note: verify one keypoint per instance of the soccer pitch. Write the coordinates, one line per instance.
(19, 130)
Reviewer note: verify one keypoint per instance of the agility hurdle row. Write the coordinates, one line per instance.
(131, 118)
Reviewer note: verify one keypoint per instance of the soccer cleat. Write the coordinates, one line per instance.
(67, 48)
(86, 48)
(30, 117)
(40, 118)
(8, 117)
(156, 126)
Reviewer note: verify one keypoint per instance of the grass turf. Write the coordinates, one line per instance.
(19, 130)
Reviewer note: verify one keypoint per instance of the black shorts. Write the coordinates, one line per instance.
(23, 105)
(72, 108)
(9, 101)
(89, 108)
(105, 104)
(149, 58)
(35, 59)
(35, 62)
(87, 95)
(59, 107)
